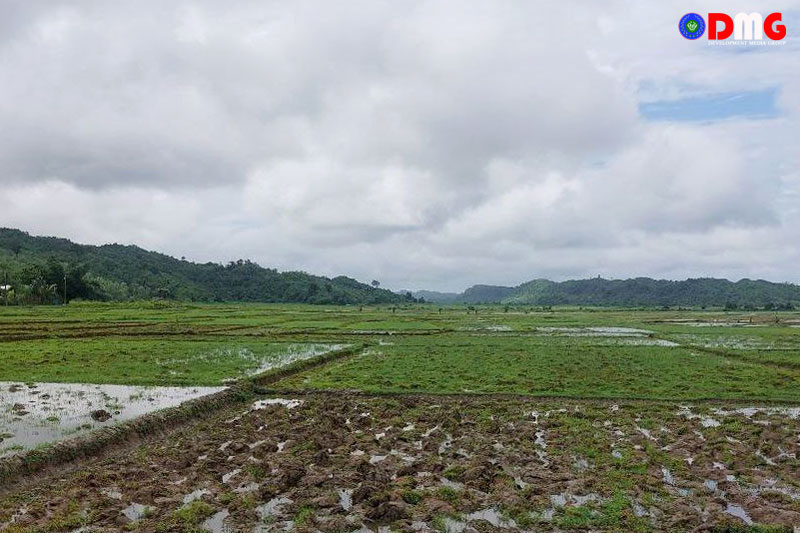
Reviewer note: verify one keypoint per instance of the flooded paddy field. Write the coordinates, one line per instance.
(342, 462)
(39, 413)
(446, 419)
(183, 360)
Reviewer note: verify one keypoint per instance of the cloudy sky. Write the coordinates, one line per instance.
(427, 144)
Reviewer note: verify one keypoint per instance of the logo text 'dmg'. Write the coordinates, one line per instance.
(745, 26)
(740, 27)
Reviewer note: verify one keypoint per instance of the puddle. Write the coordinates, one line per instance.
(54, 411)
(195, 495)
(649, 342)
(216, 523)
(709, 323)
(455, 485)
(739, 512)
(493, 517)
(430, 431)
(453, 526)
(639, 510)
(294, 353)
(566, 498)
(749, 412)
(448, 441)
(272, 507)
(645, 432)
(581, 463)
(244, 489)
(492, 327)
(257, 363)
(112, 492)
(135, 511)
(289, 404)
(346, 498)
(597, 331)
(227, 477)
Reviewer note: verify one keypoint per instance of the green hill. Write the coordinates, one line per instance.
(638, 292)
(35, 268)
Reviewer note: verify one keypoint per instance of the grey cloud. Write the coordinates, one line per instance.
(427, 143)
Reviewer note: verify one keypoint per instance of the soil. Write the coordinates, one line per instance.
(344, 462)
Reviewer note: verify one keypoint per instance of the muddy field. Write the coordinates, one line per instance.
(38, 413)
(342, 462)
(609, 420)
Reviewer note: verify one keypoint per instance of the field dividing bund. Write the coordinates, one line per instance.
(421, 419)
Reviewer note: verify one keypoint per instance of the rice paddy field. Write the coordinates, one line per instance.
(421, 419)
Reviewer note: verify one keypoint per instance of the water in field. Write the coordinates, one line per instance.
(595, 331)
(256, 363)
(38, 413)
(294, 353)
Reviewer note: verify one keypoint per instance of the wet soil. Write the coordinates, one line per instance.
(342, 462)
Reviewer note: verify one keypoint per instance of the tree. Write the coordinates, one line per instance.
(375, 283)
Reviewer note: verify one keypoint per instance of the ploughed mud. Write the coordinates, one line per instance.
(37, 413)
(345, 463)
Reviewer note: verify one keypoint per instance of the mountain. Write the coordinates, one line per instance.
(36, 266)
(486, 293)
(438, 297)
(638, 292)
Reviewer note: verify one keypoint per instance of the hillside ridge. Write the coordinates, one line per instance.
(35, 267)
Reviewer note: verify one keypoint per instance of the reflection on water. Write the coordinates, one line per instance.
(38, 413)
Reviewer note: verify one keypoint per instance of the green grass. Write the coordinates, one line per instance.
(560, 366)
(418, 348)
(137, 361)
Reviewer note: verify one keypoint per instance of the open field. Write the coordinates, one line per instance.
(616, 367)
(447, 419)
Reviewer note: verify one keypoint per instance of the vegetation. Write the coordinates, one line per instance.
(554, 366)
(35, 267)
(490, 449)
(640, 292)
(416, 348)
(145, 361)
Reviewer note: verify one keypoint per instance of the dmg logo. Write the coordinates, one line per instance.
(746, 28)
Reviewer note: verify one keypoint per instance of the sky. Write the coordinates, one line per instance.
(425, 144)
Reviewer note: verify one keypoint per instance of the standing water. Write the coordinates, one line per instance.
(38, 413)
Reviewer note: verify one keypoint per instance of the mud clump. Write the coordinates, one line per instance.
(368, 490)
(388, 511)
(481, 476)
(100, 415)
(290, 476)
(297, 469)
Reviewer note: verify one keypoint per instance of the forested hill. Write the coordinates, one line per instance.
(644, 292)
(35, 268)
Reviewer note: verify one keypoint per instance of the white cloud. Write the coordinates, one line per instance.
(426, 144)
